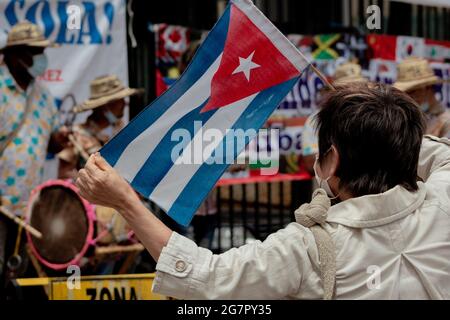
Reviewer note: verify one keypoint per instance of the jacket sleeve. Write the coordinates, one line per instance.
(272, 269)
(434, 164)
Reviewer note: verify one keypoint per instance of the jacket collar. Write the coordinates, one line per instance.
(377, 209)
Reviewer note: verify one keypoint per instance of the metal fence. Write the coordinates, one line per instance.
(245, 212)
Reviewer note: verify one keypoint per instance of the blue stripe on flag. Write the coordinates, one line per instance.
(206, 55)
(160, 161)
(206, 177)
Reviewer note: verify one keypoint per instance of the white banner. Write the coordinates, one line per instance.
(92, 39)
(302, 99)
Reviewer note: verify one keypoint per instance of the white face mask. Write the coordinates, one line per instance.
(425, 106)
(323, 183)
(40, 63)
(112, 119)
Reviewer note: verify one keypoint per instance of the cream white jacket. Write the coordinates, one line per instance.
(394, 245)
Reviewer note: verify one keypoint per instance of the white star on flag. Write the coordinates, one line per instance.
(245, 65)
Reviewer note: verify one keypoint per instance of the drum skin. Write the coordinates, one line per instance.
(66, 221)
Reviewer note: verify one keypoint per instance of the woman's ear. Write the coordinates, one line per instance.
(334, 160)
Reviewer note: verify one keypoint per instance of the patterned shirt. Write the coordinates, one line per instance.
(22, 162)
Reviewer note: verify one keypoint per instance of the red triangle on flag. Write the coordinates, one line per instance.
(250, 63)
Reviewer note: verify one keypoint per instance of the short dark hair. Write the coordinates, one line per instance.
(377, 131)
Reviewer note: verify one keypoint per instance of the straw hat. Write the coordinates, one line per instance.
(28, 34)
(414, 73)
(104, 90)
(348, 72)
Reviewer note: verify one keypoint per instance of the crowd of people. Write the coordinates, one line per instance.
(365, 146)
(31, 128)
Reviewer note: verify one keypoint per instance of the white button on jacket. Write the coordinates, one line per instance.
(394, 245)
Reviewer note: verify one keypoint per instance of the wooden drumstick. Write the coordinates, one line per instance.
(21, 222)
(77, 146)
(119, 249)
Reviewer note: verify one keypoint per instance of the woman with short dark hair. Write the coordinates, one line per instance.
(386, 237)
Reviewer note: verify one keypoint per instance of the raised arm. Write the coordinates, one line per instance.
(276, 268)
(271, 269)
(100, 184)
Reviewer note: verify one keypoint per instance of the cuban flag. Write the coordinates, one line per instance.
(238, 76)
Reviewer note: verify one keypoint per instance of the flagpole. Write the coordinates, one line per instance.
(322, 77)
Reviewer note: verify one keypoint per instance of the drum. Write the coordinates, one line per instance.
(70, 225)
(111, 227)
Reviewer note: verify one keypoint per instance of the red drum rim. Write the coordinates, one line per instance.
(90, 212)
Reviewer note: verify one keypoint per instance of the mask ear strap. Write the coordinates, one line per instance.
(335, 197)
(320, 186)
(23, 64)
(331, 198)
(27, 55)
(27, 67)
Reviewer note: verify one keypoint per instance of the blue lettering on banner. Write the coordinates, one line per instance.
(46, 16)
(92, 30)
(62, 13)
(109, 12)
(54, 23)
(301, 100)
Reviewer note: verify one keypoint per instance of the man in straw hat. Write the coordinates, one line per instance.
(107, 103)
(346, 73)
(28, 122)
(415, 77)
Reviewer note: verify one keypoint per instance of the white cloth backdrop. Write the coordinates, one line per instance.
(92, 39)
